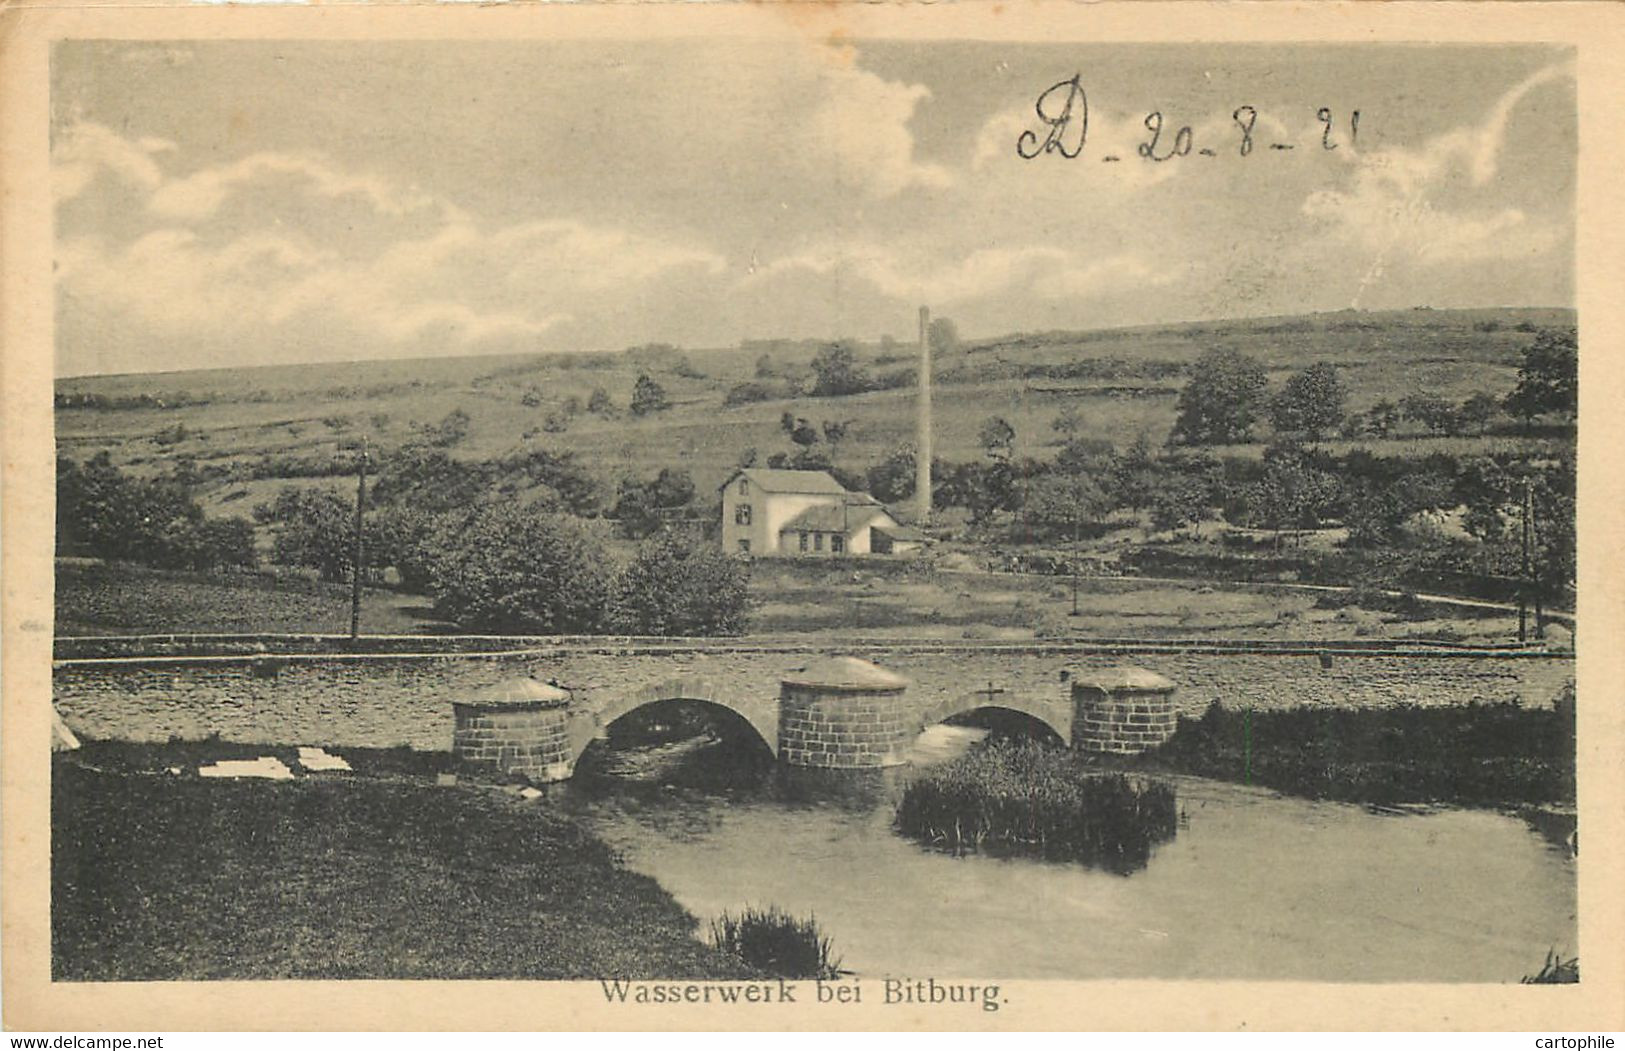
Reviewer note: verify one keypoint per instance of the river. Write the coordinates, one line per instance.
(1256, 885)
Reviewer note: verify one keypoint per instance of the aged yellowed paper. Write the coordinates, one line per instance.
(1091, 506)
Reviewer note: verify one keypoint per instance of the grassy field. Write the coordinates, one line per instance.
(93, 598)
(882, 600)
(1122, 382)
(380, 874)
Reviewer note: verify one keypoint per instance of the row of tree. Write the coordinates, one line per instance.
(1227, 395)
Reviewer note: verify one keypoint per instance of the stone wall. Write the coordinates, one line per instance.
(397, 700)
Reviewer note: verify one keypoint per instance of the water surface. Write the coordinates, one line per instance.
(1255, 886)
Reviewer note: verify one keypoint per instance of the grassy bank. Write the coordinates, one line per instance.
(1023, 798)
(1479, 755)
(379, 874)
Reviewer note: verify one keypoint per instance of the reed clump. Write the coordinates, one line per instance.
(1019, 797)
(777, 943)
(1556, 971)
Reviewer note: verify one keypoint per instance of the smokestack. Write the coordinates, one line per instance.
(922, 452)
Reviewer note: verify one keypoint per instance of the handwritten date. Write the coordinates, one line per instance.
(1063, 116)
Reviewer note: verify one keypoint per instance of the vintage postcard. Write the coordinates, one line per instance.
(815, 517)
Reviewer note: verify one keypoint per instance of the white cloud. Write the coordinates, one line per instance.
(200, 195)
(87, 149)
(861, 123)
(1386, 208)
(1043, 271)
(195, 270)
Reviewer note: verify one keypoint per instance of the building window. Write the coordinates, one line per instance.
(803, 541)
(837, 542)
(744, 487)
(744, 547)
(818, 541)
(742, 515)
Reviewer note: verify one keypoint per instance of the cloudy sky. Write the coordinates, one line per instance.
(268, 202)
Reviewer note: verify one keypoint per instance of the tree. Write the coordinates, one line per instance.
(996, 437)
(764, 367)
(1477, 410)
(943, 336)
(1068, 422)
(800, 430)
(892, 479)
(1085, 455)
(1135, 478)
(1311, 403)
(678, 585)
(522, 569)
(836, 371)
(642, 507)
(1431, 411)
(1180, 501)
(598, 402)
(1383, 418)
(648, 396)
(213, 543)
(1220, 401)
(311, 527)
(1548, 380)
(1062, 505)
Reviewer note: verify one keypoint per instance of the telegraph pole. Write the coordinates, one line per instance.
(356, 555)
(1523, 586)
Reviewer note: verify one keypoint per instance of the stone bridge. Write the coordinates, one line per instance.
(409, 697)
(836, 712)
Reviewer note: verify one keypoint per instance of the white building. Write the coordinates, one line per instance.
(777, 512)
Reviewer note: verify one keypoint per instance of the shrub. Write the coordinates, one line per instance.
(1025, 798)
(522, 569)
(679, 585)
(750, 391)
(778, 943)
(648, 396)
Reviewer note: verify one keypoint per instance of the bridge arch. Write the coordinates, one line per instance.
(761, 717)
(1056, 719)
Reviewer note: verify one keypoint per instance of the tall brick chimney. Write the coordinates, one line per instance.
(922, 452)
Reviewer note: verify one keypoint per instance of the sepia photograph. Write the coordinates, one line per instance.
(814, 518)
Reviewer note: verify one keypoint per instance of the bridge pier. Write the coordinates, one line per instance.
(517, 727)
(1122, 710)
(843, 713)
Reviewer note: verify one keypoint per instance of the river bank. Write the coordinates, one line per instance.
(379, 873)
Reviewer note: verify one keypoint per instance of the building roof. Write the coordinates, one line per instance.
(845, 673)
(903, 532)
(778, 480)
(520, 690)
(834, 518)
(1122, 677)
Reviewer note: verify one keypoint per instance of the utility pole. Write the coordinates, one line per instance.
(1523, 583)
(1076, 540)
(356, 555)
(1534, 574)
